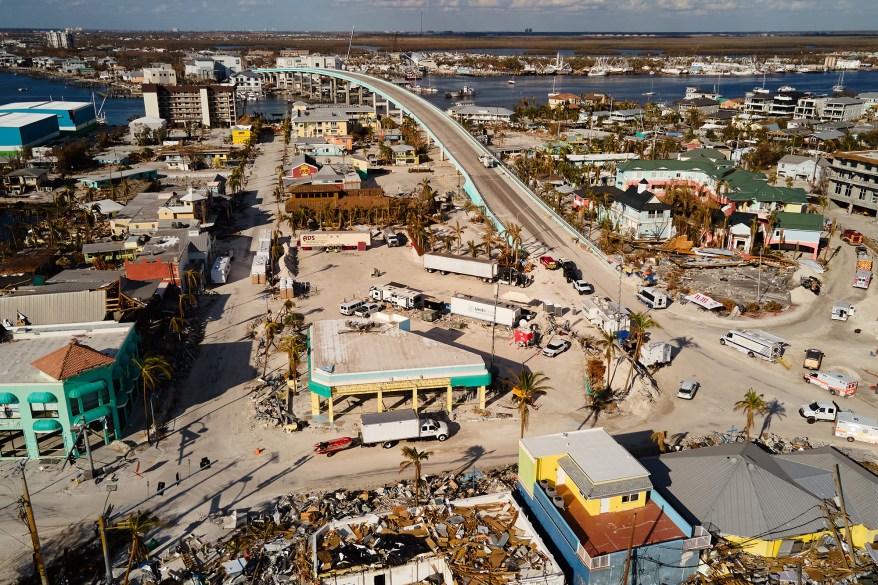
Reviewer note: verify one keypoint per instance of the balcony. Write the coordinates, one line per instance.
(700, 539)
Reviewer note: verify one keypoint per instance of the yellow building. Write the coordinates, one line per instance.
(241, 134)
(596, 503)
(768, 505)
(319, 122)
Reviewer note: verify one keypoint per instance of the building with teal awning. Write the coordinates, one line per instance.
(54, 378)
(353, 359)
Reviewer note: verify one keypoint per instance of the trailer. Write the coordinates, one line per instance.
(856, 428)
(864, 261)
(842, 310)
(396, 294)
(485, 310)
(219, 273)
(755, 343)
(391, 426)
(487, 270)
(656, 354)
(351, 240)
(606, 315)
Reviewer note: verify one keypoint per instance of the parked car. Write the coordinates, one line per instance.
(583, 287)
(367, 310)
(813, 359)
(687, 390)
(569, 269)
(549, 262)
(556, 347)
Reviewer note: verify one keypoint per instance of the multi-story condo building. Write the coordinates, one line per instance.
(207, 105)
(59, 39)
(160, 73)
(853, 179)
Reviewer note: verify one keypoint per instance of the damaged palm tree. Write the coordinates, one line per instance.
(137, 525)
(414, 459)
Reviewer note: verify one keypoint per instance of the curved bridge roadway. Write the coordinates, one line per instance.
(504, 196)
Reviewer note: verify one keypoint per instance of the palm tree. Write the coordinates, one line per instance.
(177, 325)
(153, 369)
(660, 439)
(457, 230)
(293, 346)
(607, 341)
(192, 278)
(272, 328)
(138, 524)
(473, 248)
(640, 323)
(528, 386)
(414, 459)
(752, 404)
(186, 300)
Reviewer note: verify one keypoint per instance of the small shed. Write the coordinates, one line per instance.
(146, 122)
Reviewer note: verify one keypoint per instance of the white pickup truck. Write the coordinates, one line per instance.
(826, 411)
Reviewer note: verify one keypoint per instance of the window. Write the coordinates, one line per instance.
(630, 498)
(44, 410)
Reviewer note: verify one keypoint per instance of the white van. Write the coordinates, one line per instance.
(653, 298)
(856, 428)
(349, 307)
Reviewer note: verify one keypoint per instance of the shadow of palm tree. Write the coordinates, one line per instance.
(600, 402)
(470, 457)
(773, 409)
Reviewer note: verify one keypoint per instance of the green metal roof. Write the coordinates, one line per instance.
(800, 221)
(472, 381)
(41, 397)
(96, 413)
(84, 389)
(706, 166)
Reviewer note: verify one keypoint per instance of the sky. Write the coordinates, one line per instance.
(441, 15)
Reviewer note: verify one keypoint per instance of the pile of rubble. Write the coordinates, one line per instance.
(279, 547)
(480, 543)
(774, 443)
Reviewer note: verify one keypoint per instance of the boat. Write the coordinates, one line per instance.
(839, 87)
(786, 89)
(600, 67)
(22, 89)
(651, 91)
(331, 447)
(511, 82)
(100, 115)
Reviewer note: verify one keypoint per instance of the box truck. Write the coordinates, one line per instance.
(219, 273)
(657, 353)
(842, 310)
(444, 263)
(838, 384)
(485, 310)
(754, 343)
(390, 237)
(864, 261)
(392, 426)
(856, 428)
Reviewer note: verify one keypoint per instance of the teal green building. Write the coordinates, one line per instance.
(54, 378)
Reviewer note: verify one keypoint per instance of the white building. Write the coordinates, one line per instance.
(247, 83)
(160, 73)
(312, 61)
(59, 39)
(801, 167)
(480, 114)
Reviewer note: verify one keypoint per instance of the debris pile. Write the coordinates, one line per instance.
(480, 543)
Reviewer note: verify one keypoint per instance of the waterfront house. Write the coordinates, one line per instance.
(795, 231)
(636, 212)
(803, 168)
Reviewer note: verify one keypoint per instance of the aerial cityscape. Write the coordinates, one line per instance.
(439, 293)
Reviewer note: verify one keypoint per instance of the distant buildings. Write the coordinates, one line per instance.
(160, 73)
(212, 67)
(212, 106)
(58, 39)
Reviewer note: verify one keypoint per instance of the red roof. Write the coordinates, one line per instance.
(71, 360)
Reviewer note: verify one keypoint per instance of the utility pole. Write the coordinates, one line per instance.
(32, 527)
(102, 531)
(844, 515)
(630, 547)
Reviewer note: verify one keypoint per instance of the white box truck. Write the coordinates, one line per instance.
(653, 298)
(485, 269)
(485, 310)
(390, 237)
(856, 428)
(842, 310)
(219, 273)
(754, 343)
(862, 279)
(391, 426)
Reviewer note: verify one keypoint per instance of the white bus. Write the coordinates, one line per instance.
(754, 343)
(653, 298)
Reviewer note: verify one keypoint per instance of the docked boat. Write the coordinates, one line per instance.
(839, 87)
(22, 89)
(511, 82)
